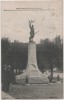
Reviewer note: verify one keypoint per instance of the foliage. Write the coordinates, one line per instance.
(49, 54)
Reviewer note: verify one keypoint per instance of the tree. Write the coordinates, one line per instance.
(50, 54)
(14, 54)
(59, 52)
(5, 44)
(18, 55)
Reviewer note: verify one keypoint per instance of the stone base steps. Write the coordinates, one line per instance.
(34, 80)
(38, 80)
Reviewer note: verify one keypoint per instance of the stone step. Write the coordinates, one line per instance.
(38, 80)
(34, 80)
(6, 96)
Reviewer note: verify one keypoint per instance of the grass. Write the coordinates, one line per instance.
(37, 91)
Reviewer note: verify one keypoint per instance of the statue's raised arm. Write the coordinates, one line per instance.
(29, 24)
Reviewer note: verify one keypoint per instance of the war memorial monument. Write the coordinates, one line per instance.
(32, 73)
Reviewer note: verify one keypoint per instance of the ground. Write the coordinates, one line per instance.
(37, 91)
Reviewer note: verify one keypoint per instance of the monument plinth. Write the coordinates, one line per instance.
(33, 74)
(32, 68)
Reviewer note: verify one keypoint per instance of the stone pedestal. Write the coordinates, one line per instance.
(32, 68)
(33, 74)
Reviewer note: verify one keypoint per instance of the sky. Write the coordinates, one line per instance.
(16, 15)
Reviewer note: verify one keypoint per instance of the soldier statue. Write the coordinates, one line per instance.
(31, 30)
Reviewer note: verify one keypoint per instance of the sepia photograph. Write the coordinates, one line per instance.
(32, 49)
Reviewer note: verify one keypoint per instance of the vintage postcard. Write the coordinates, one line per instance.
(32, 49)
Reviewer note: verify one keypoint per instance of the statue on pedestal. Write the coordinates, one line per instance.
(32, 73)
